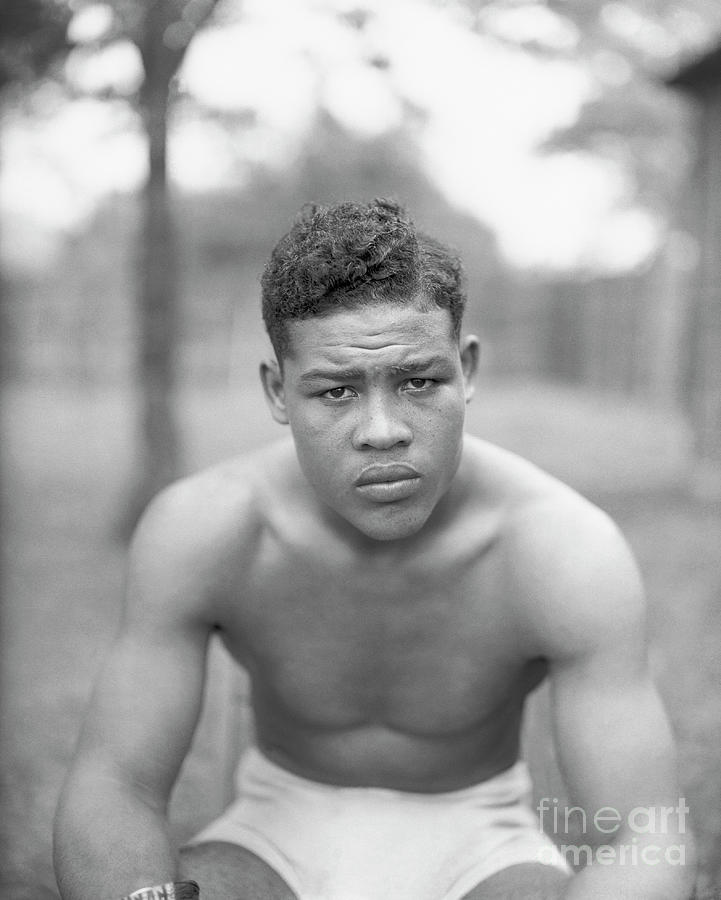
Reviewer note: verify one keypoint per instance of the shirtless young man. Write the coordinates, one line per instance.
(395, 589)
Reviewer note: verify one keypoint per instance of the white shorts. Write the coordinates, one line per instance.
(339, 843)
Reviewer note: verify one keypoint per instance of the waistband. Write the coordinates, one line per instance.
(508, 786)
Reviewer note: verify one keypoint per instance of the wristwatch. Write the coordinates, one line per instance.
(172, 890)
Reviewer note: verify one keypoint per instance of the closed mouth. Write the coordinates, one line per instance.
(387, 472)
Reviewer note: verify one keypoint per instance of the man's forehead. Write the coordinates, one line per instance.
(321, 369)
(380, 329)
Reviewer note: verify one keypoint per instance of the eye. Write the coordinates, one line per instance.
(339, 393)
(420, 384)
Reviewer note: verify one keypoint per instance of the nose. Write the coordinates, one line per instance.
(380, 425)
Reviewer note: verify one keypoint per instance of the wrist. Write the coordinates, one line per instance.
(171, 890)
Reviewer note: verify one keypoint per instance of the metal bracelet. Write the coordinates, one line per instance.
(173, 890)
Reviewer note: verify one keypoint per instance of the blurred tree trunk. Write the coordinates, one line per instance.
(157, 285)
(158, 268)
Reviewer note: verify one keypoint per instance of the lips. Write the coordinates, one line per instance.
(387, 472)
(388, 483)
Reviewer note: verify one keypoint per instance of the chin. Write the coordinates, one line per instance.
(390, 526)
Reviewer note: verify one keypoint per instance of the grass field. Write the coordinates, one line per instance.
(68, 460)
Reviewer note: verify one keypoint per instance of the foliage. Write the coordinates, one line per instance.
(160, 29)
(644, 32)
(32, 34)
(629, 48)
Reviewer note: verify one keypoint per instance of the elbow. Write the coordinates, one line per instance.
(669, 860)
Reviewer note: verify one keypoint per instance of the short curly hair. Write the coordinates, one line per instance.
(354, 254)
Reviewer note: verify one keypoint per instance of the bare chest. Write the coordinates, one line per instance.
(421, 649)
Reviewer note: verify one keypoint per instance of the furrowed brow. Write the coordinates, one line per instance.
(411, 365)
(421, 364)
(331, 375)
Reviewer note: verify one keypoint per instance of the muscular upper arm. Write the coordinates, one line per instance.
(147, 700)
(612, 736)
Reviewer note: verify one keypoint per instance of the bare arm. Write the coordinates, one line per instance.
(111, 833)
(613, 739)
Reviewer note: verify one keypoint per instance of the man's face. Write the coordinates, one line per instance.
(375, 397)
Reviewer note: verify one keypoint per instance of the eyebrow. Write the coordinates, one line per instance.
(412, 365)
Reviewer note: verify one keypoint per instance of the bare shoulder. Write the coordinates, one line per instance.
(198, 530)
(569, 569)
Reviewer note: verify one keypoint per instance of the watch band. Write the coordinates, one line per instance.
(172, 890)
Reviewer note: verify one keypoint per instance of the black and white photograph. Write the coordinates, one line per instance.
(360, 450)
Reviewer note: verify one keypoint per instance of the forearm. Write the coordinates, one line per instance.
(638, 867)
(109, 841)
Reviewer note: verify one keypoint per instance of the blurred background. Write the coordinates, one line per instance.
(151, 154)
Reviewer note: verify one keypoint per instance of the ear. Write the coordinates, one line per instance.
(470, 354)
(272, 380)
